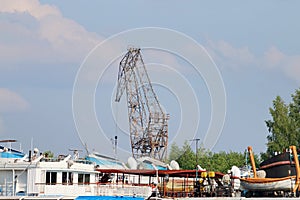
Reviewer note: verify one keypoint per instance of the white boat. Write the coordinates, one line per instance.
(38, 175)
(259, 183)
(268, 184)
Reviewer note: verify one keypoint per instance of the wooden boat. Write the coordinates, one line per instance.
(287, 183)
(281, 165)
(268, 184)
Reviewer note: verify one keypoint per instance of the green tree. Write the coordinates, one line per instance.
(175, 152)
(235, 158)
(187, 158)
(221, 161)
(48, 154)
(205, 158)
(295, 114)
(284, 127)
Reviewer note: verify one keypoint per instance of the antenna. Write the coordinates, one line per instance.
(197, 141)
(86, 149)
(115, 145)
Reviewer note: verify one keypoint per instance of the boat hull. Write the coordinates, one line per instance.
(268, 184)
(279, 166)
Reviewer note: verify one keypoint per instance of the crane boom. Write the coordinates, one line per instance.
(147, 121)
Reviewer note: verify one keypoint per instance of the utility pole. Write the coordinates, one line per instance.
(116, 147)
(197, 141)
(114, 142)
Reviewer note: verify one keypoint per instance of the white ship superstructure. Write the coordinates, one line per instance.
(38, 175)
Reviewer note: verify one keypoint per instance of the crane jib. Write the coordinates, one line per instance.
(148, 123)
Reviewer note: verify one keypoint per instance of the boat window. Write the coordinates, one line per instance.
(70, 178)
(64, 178)
(51, 178)
(67, 178)
(83, 179)
(48, 178)
(87, 179)
(80, 179)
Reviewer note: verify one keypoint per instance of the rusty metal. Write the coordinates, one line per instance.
(147, 121)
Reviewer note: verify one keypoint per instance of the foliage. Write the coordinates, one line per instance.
(48, 154)
(187, 158)
(284, 127)
(175, 152)
(208, 160)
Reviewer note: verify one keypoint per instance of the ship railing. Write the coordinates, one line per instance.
(175, 194)
(51, 159)
(141, 190)
(83, 161)
(62, 158)
(106, 189)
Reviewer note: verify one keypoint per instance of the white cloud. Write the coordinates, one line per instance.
(293, 68)
(33, 30)
(11, 102)
(227, 55)
(273, 57)
(31, 6)
(288, 64)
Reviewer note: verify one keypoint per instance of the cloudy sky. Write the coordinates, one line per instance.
(254, 46)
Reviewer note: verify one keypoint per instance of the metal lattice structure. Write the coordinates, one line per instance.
(148, 123)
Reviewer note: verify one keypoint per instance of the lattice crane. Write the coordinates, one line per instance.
(148, 123)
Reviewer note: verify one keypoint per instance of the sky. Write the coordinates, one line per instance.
(253, 48)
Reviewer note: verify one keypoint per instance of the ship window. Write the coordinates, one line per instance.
(70, 178)
(87, 179)
(64, 178)
(48, 178)
(80, 179)
(67, 178)
(83, 179)
(51, 178)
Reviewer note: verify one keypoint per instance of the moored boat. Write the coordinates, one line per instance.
(287, 185)
(38, 175)
(269, 184)
(281, 165)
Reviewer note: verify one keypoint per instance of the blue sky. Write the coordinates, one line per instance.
(254, 44)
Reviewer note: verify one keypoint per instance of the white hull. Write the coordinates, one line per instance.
(268, 185)
(96, 190)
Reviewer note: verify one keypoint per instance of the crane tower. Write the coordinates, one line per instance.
(148, 123)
